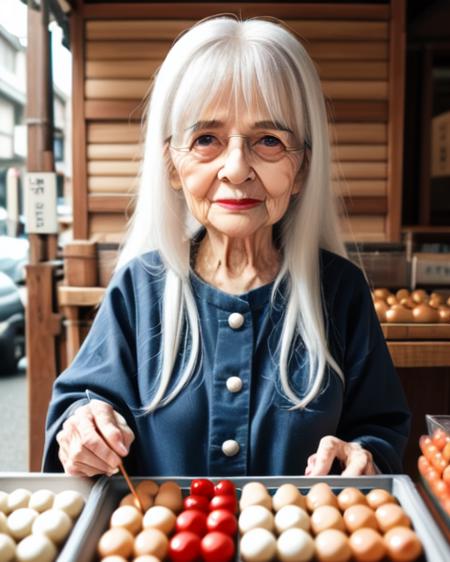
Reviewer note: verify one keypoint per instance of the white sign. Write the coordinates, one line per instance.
(40, 203)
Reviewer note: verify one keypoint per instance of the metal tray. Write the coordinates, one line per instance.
(10, 481)
(108, 491)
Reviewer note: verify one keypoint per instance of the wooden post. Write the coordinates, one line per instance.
(42, 324)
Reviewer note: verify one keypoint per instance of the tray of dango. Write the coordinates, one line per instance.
(43, 517)
(266, 519)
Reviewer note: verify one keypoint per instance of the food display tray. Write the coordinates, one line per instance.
(410, 331)
(10, 481)
(107, 493)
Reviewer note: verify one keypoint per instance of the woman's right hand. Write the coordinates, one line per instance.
(93, 440)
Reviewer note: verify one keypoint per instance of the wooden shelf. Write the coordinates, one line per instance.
(420, 353)
(416, 331)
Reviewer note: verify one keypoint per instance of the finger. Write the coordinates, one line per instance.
(78, 454)
(85, 436)
(107, 426)
(127, 433)
(357, 462)
(329, 448)
(81, 469)
(310, 464)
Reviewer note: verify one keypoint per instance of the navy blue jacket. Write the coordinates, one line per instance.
(120, 358)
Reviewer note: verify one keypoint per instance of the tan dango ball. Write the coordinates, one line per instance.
(391, 515)
(129, 499)
(402, 544)
(425, 314)
(358, 516)
(128, 517)
(367, 545)
(332, 546)
(288, 494)
(379, 496)
(326, 517)
(147, 487)
(116, 542)
(381, 308)
(153, 542)
(350, 496)
(160, 517)
(320, 494)
(170, 496)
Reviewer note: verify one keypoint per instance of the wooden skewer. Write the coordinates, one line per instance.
(130, 485)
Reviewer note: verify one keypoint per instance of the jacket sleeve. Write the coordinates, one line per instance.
(375, 411)
(104, 368)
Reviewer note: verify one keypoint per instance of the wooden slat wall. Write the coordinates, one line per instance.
(352, 46)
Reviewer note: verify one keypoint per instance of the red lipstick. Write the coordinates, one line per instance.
(238, 204)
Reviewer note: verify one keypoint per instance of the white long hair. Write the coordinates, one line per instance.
(255, 61)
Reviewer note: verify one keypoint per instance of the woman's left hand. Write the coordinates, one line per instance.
(356, 460)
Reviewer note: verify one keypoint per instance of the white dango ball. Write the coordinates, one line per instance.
(291, 516)
(258, 545)
(20, 522)
(17, 499)
(54, 523)
(36, 548)
(295, 545)
(255, 516)
(70, 501)
(7, 548)
(4, 502)
(41, 500)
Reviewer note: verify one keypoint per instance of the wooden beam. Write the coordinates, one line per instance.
(197, 10)
(79, 173)
(396, 119)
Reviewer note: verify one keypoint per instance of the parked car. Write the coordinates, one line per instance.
(12, 325)
(14, 257)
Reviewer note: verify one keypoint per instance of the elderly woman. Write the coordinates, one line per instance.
(235, 338)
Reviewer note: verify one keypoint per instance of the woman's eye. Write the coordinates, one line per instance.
(270, 141)
(204, 140)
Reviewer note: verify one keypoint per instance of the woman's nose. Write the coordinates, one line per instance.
(236, 168)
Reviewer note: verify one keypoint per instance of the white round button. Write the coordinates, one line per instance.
(235, 320)
(234, 384)
(230, 447)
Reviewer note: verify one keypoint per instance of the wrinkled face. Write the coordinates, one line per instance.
(237, 175)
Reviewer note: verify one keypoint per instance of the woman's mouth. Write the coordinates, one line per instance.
(238, 204)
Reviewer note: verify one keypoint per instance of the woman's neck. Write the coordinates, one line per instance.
(237, 265)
